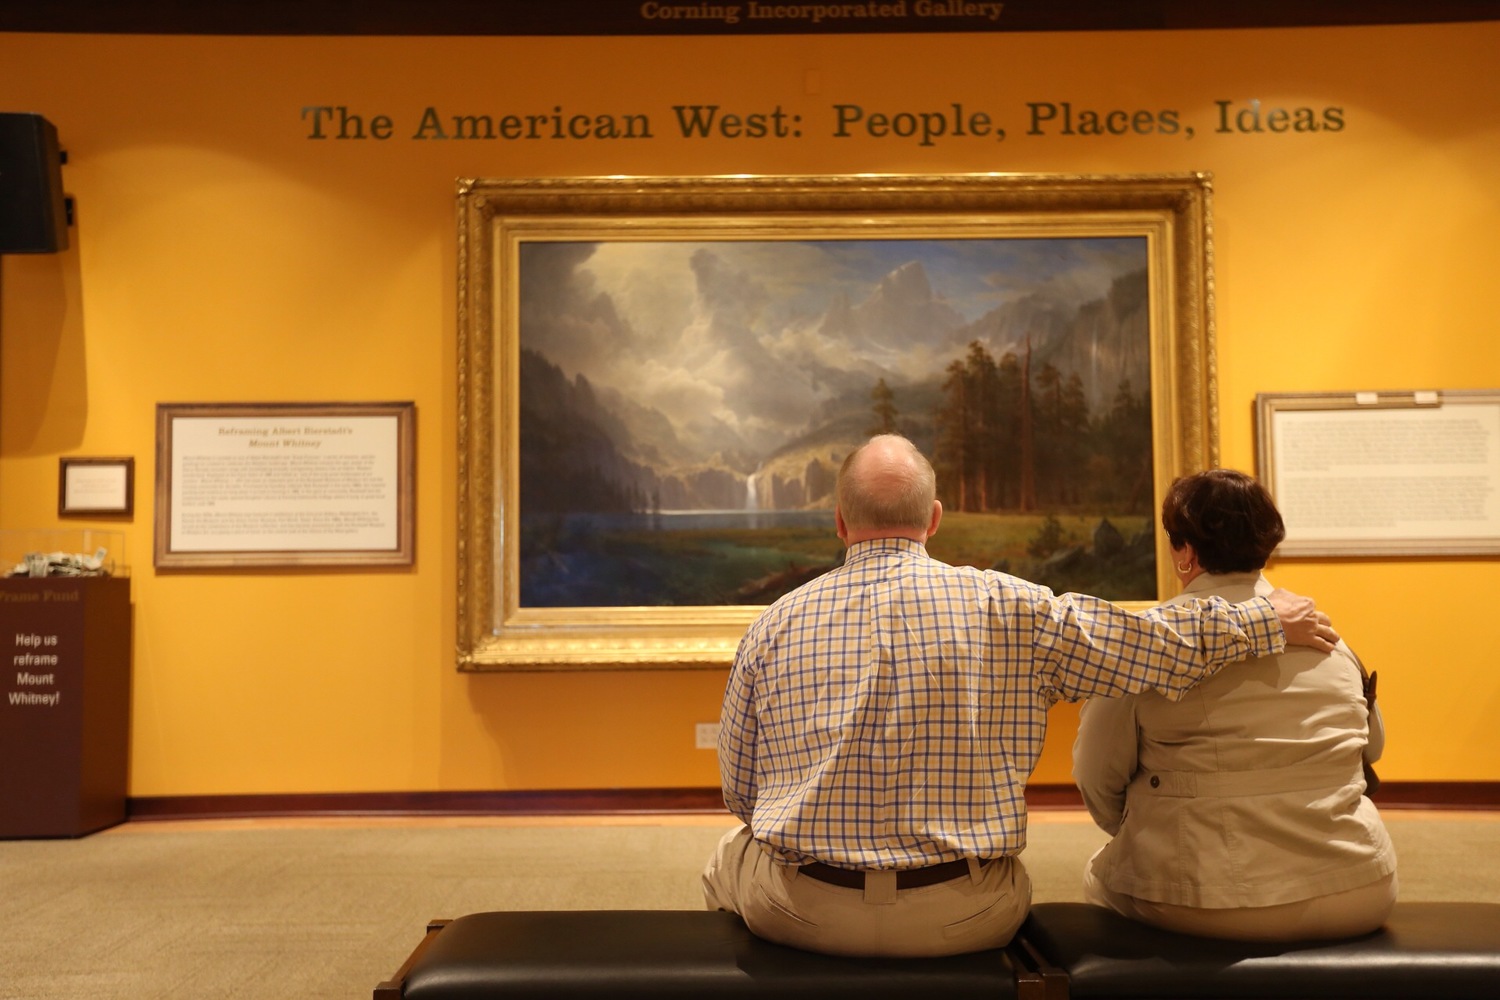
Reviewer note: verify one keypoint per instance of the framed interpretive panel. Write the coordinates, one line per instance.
(284, 484)
(1383, 473)
(95, 487)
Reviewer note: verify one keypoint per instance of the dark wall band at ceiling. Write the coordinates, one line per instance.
(715, 17)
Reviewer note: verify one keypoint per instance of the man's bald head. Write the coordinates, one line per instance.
(887, 489)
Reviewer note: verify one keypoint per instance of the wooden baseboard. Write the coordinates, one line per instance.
(647, 801)
(1438, 795)
(622, 801)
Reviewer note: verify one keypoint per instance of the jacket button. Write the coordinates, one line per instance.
(1156, 781)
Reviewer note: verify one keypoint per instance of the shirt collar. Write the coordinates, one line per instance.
(1218, 581)
(874, 548)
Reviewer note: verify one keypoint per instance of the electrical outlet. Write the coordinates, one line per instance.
(706, 735)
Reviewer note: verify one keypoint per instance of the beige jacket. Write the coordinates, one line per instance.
(1248, 791)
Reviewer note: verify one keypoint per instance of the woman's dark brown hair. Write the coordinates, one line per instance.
(1229, 519)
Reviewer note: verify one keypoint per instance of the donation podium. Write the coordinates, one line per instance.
(64, 704)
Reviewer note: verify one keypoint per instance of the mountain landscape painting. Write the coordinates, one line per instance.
(684, 408)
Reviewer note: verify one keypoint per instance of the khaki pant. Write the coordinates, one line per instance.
(779, 904)
(1321, 918)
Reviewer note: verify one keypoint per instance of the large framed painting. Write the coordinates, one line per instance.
(659, 378)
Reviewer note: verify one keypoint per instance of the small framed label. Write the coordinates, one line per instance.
(91, 487)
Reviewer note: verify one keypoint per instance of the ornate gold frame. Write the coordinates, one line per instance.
(1172, 211)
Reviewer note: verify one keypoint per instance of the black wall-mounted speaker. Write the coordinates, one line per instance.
(33, 218)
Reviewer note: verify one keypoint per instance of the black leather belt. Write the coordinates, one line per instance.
(906, 878)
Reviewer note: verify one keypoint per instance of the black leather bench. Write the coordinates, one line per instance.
(626, 954)
(1425, 951)
(1064, 950)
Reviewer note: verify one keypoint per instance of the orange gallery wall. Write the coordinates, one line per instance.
(221, 254)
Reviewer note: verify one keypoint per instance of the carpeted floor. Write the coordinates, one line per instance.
(327, 909)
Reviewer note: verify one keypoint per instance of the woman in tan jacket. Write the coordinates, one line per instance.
(1239, 811)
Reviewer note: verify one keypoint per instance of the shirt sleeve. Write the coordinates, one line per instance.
(1105, 757)
(737, 735)
(1089, 647)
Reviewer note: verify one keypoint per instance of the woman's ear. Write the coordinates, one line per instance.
(1185, 560)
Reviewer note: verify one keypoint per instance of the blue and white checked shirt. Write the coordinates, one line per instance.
(889, 713)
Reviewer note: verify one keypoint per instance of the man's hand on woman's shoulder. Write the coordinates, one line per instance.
(1301, 620)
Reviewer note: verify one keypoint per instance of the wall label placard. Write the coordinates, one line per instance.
(1383, 473)
(267, 484)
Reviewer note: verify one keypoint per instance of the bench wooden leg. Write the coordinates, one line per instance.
(1036, 978)
(392, 987)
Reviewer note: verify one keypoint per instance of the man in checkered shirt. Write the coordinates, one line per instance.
(881, 721)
